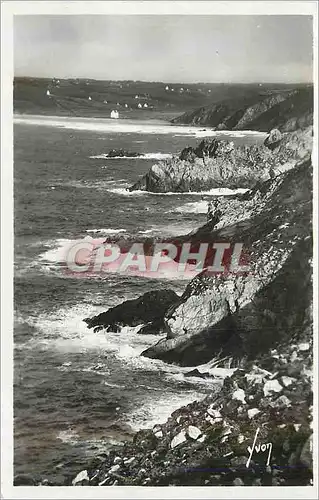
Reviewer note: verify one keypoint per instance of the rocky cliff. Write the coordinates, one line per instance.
(255, 428)
(242, 314)
(216, 163)
(287, 110)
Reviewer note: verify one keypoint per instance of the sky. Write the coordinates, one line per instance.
(171, 48)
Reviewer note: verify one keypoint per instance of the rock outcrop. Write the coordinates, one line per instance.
(241, 315)
(147, 311)
(286, 110)
(216, 163)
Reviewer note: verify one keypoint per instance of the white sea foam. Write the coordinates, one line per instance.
(197, 207)
(212, 192)
(126, 126)
(69, 436)
(146, 156)
(156, 410)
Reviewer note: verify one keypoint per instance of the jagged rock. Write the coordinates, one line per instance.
(81, 478)
(273, 139)
(272, 386)
(178, 439)
(234, 314)
(116, 153)
(149, 308)
(252, 412)
(239, 395)
(197, 373)
(115, 468)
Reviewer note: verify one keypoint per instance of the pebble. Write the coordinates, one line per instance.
(238, 482)
(287, 381)
(82, 476)
(304, 347)
(297, 427)
(252, 412)
(241, 438)
(202, 438)
(179, 439)
(239, 395)
(129, 461)
(117, 460)
(115, 468)
(272, 386)
(282, 402)
(193, 432)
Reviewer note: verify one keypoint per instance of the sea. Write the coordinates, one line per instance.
(76, 392)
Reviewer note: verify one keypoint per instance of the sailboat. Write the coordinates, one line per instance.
(114, 114)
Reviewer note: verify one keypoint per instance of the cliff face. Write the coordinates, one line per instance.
(240, 315)
(287, 110)
(217, 163)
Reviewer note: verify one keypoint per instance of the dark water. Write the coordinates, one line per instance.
(77, 392)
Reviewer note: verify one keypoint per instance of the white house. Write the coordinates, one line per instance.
(114, 114)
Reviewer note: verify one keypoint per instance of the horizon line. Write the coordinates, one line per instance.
(168, 82)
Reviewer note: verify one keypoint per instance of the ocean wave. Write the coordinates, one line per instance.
(126, 126)
(146, 156)
(157, 409)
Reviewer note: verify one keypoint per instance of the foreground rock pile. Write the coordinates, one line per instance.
(210, 442)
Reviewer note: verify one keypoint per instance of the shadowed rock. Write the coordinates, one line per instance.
(149, 308)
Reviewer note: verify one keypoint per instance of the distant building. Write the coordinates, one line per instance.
(145, 105)
(117, 103)
(48, 92)
(136, 97)
(167, 87)
(105, 102)
(114, 114)
(139, 105)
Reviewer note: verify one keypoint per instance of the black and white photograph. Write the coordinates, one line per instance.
(164, 260)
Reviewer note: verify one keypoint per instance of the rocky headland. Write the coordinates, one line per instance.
(288, 110)
(255, 428)
(218, 163)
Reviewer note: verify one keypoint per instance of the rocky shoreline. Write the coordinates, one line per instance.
(256, 429)
(219, 163)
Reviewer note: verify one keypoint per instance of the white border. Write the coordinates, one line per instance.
(8, 10)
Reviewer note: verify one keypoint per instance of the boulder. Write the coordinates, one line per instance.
(116, 153)
(273, 139)
(149, 308)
